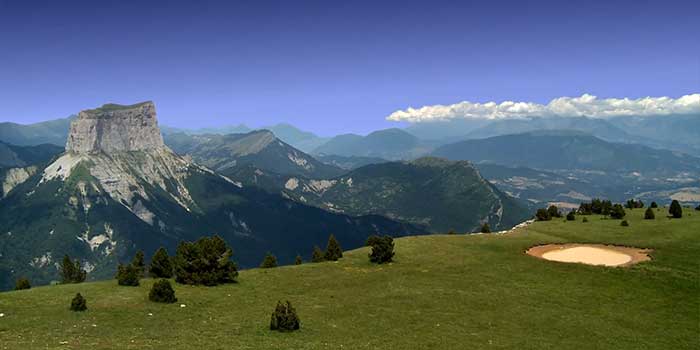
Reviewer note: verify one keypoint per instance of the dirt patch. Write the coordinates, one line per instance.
(591, 254)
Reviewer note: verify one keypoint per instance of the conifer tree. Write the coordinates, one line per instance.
(162, 292)
(617, 212)
(298, 260)
(269, 261)
(571, 216)
(78, 303)
(317, 255)
(139, 263)
(71, 271)
(161, 266)
(22, 283)
(649, 214)
(128, 275)
(653, 205)
(284, 318)
(333, 249)
(485, 228)
(382, 249)
(675, 210)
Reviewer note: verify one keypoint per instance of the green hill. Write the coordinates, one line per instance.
(442, 292)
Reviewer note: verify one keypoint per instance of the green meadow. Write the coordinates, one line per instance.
(441, 292)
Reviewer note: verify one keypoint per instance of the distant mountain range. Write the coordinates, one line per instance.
(391, 144)
(51, 132)
(259, 149)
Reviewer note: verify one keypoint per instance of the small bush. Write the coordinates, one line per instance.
(333, 249)
(617, 212)
(649, 214)
(269, 261)
(571, 216)
(624, 223)
(675, 210)
(22, 283)
(382, 249)
(128, 275)
(298, 260)
(162, 292)
(653, 205)
(284, 318)
(161, 266)
(78, 303)
(585, 219)
(485, 228)
(317, 255)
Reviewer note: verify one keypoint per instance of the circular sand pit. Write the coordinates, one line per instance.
(591, 254)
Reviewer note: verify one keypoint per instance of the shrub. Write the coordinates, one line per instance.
(653, 205)
(554, 211)
(71, 272)
(206, 261)
(78, 303)
(138, 263)
(128, 275)
(649, 214)
(451, 232)
(617, 212)
(698, 207)
(485, 228)
(675, 210)
(161, 266)
(284, 318)
(333, 249)
(269, 261)
(633, 204)
(542, 215)
(571, 216)
(162, 292)
(585, 219)
(382, 249)
(298, 260)
(624, 223)
(317, 255)
(22, 283)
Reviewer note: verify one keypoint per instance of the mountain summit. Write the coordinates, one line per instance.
(115, 128)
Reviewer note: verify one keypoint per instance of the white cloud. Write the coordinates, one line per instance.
(585, 105)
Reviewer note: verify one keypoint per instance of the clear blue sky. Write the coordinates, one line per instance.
(332, 66)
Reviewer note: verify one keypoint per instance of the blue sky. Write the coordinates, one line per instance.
(335, 67)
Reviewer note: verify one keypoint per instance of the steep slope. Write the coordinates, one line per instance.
(436, 193)
(391, 144)
(259, 149)
(52, 132)
(118, 188)
(19, 156)
(349, 162)
(569, 150)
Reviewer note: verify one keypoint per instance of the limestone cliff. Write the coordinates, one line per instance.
(115, 128)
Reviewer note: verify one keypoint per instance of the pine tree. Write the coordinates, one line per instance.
(284, 318)
(624, 223)
(162, 292)
(553, 211)
(269, 261)
(571, 216)
(161, 266)
(617, 212)
(128, 275)
(653, 205)
(317, 255)
(298, 260)
(333, 249)
(485, 228)
(78, 303)
(139, 263)
(22, 283)
(71, 271)
(675, 210)
(382, 249)
(204, 262)
(543, 215)
(649, 214)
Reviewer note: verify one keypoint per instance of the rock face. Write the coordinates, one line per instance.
(115, 128)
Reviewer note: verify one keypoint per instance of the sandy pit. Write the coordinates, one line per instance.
(591, 254)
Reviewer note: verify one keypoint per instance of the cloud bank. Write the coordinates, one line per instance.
(585, 105)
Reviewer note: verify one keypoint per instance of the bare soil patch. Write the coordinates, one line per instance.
(591, 254)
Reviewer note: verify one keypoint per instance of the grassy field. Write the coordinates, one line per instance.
(443, 292)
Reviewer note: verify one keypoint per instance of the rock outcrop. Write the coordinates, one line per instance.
(115, 128)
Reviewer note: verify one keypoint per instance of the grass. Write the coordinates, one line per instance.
(443, 292)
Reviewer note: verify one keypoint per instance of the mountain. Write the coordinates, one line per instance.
(569, 150)
(231, 129)
(438, 194)
(259, 149)
(349, 162)
(676, 132)
(118, 188)
(20, 156)
(596, 127)
(52, 132)
(391, 144)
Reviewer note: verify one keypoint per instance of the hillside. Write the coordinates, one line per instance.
(442, 292)
(438, 194)
(260, 149)
(569, 150)
(52, 132)
(391, 144)
(12, 156)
